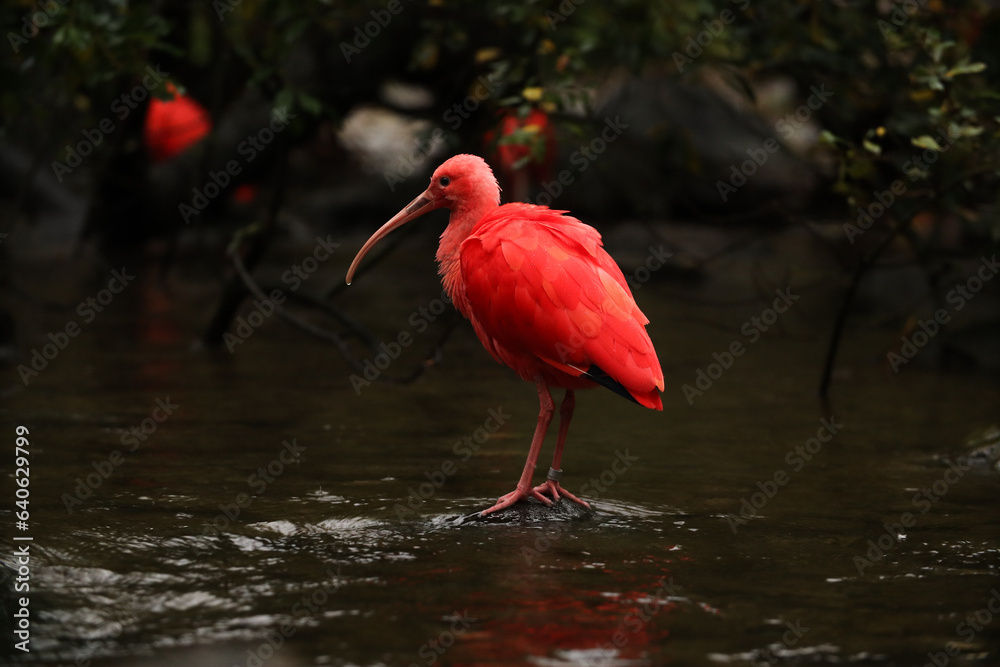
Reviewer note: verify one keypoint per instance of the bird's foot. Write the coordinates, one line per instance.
(553, 488)
(513, 498)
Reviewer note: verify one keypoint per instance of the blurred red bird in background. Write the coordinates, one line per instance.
(524, 151)
(544, 298)
(174, 125)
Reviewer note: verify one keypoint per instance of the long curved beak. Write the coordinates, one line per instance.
(422, 204)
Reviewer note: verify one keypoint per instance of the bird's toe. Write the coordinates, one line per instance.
(513, 498)
(557, 492)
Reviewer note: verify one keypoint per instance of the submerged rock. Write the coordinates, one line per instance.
(982, 448)
(532, 511)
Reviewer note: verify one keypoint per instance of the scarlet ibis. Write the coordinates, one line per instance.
(543, 296)
(171, 126)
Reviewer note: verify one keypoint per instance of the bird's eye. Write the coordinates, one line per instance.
(445, 181)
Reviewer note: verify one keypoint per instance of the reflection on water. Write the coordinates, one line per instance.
(211, 542)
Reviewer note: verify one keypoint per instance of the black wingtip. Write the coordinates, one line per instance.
(600, 377)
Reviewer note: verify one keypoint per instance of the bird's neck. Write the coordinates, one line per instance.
(460, 225)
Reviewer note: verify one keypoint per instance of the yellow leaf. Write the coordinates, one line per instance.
(968, 68)
(487, 54)
(532, 94)
(926, 141)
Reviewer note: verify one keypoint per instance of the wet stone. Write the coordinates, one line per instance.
(531, 511)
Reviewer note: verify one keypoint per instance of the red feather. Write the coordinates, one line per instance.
(546, 298)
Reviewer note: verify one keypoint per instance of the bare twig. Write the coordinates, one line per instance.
(353, 327)
(338, 341)
(295, 320)
(235, 290)
(385, 248)
(863, 266)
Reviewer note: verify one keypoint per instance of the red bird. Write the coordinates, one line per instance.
(530, 157)
(543, 296)
(173, 125)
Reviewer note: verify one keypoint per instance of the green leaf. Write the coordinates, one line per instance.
(938, 49)
(966, 68)
(310, 104)
(872, 147)
(926, 141)
(285, 99)
(956, 130)
(828, 138)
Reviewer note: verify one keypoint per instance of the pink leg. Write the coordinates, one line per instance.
(546, 410)
(551, 485)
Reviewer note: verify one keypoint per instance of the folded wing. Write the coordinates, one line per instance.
(542, 290)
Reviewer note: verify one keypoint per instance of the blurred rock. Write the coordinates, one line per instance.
(388, 144)
(43, 214)
(982, 448)
(678, 142)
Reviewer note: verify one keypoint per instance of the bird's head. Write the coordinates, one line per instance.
(465, 184)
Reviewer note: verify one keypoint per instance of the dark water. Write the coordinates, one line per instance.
(278, 516)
